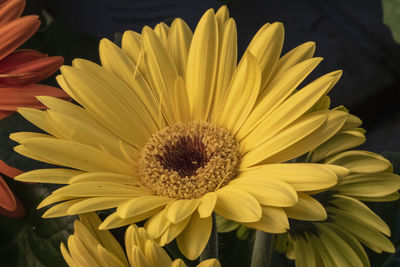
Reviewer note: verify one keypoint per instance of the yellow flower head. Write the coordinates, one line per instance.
(336, 239)
(171, 129)
(89, 246)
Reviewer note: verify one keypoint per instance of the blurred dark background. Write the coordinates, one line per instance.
(350, 35)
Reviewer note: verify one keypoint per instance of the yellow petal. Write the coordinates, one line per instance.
(162, 31)
(293, 57)
(222, 16)
(237, 205)
(138, 259)
(117, 61)
(270, 192)
(54, 176)
(107, 258)
(266, 46)
(331, 126)
(155, 255)
(114, 221)
(160, 69)
(38, 117)
(67, 257)
(103, 177)
(241, 94)
(277, 92)
(95, 204)
(286, 113)
(178, 263)
(60, 210)
(75, 155)
(28, 153)
(304, 253)
(181, 107)
(179, 39)
(355, 207)
(121, 110)
(295, 132)
(209, 263)
(202, 66)
(273, 220)
(226, 66)
(340, 142)
(193, 240)
(360, 161)
(301, 176)
(374, 185)
(172, 231)
(207, 204)
(141, 204)
(157, 224)
(307, 209)
(97, 189)
(180, 209)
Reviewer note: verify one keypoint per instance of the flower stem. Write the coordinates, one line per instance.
(211, 249)
(262, 250)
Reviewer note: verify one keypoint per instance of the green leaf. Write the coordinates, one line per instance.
(391, 17)
(32, 241)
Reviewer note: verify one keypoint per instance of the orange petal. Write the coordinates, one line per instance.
(25, 96)
(24, 67)
(4, 114)
(16, 32)
(10, 206)
(8, 170)
(10, 10)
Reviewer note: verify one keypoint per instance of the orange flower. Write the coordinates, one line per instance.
(21, 69)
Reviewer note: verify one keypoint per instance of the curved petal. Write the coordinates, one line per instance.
(307, 209)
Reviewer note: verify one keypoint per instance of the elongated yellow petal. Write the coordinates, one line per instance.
(277, 92)
(180, 209)
(121, 111)
(194, 238)
(226, 66)
(114, 221)
(374, 185)
(273, 220)
(207, 204)
(332, 125)
(360, 161)
(368, 235)
(307, 209)
(222, 16)
(242, 94)
(209, 263)
(97, 189)
(178, 263)
(266, 46)
(157, 224)
(341, 252)
(270, 192)
(179, 39)
(161, 70)
(67, 257)
(340, 142)
(117, 61)
(155, 255)
(138, 259)
(22, 136)
(38, 117)
(351, 206)
(107, 258)
(28, 153)
(237, 205)
(293, 57)
(103, 177)
(52, 198)
(75, 155)
(202, 66)
(181, 106)
(60, 210)
(141, 204)
(54, 176)
(96, 203)
(172, 231)
(304, 253)
(162, 31)
(295, 132)
(301, 176)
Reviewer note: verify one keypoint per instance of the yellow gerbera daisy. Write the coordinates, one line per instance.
(171, 129)
(89, 246)
(337, 240)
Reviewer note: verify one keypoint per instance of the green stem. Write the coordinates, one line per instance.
(211, 249)
(262, 250)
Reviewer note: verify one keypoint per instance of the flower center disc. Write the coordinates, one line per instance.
(187, 160)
